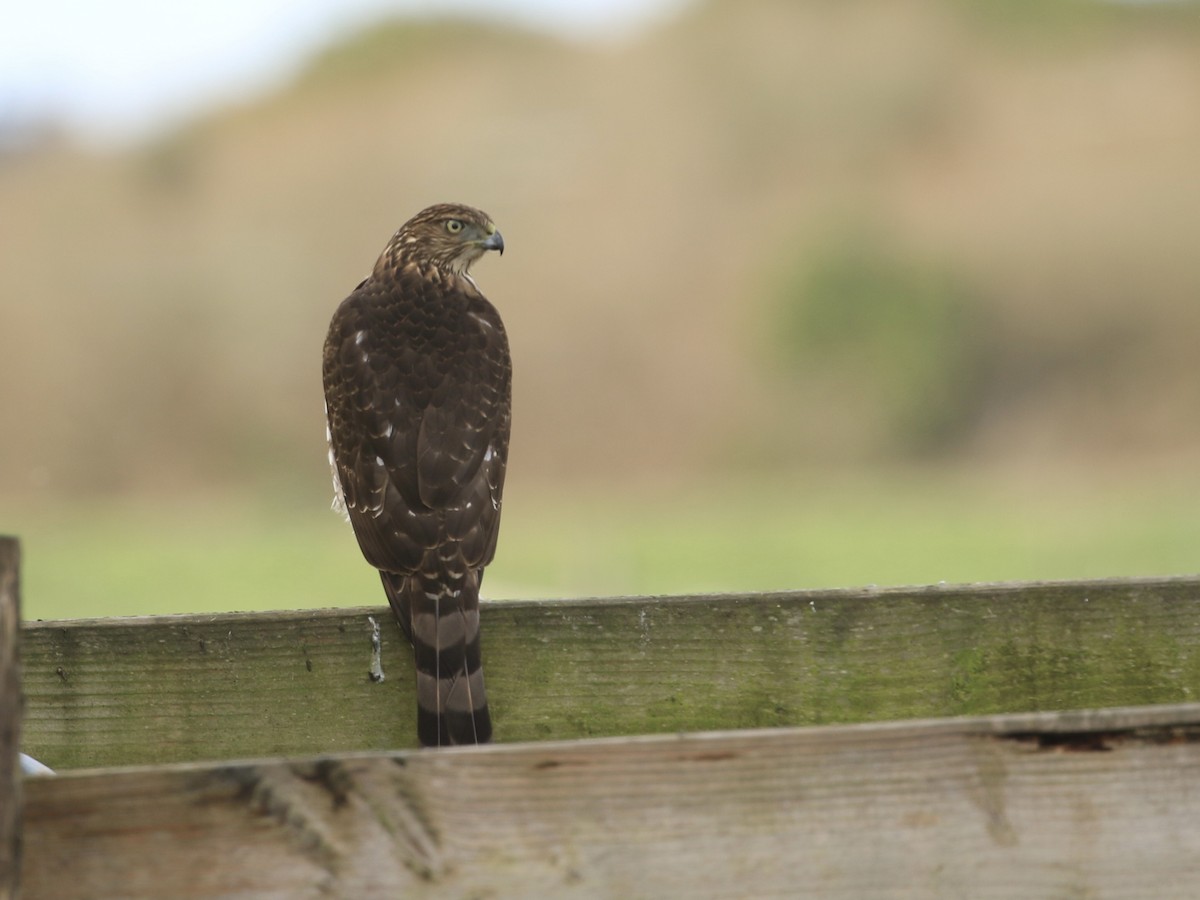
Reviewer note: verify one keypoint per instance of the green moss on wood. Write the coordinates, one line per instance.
(124, 691)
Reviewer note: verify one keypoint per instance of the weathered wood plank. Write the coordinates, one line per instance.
(10, 717)
(128, 691)
(1100, 804)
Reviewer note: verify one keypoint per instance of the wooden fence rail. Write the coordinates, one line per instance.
(1102, 805)
(1040, 804)
(186, 688)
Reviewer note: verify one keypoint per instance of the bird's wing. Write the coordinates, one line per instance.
(462, 442)
(419, 423)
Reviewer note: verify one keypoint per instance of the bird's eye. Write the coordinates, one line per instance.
(454, 226)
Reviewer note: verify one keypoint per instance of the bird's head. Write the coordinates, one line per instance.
(448, 236)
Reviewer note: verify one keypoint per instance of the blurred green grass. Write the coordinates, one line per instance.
(225, 553)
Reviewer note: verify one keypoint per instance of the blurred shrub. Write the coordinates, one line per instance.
(900, 339)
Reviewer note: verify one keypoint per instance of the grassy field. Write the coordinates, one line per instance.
(221, 553)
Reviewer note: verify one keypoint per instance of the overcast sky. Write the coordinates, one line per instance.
(113, 69)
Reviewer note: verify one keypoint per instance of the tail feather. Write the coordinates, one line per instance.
(440, 617)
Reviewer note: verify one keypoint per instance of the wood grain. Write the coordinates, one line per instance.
(1100, 804)
(180, 688)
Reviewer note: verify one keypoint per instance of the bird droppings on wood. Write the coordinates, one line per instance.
(375, 674)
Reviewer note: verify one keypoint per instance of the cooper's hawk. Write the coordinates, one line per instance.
(418, 387)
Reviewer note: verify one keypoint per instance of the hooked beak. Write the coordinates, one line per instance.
(494, 241)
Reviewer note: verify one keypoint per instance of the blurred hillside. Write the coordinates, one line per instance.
(767, 234)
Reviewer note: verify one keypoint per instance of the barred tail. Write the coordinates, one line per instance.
(440, 616)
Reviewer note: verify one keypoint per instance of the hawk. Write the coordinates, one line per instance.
(418, 398)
